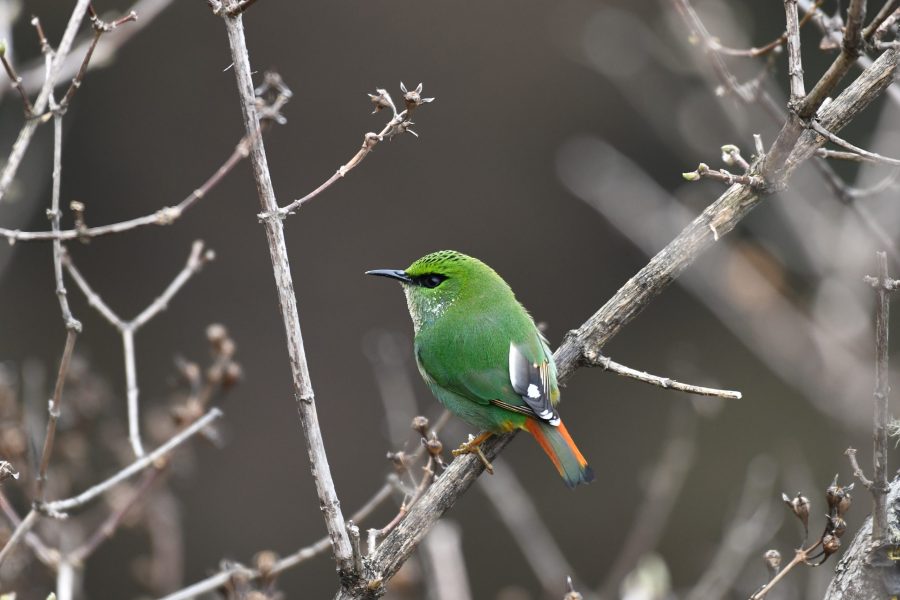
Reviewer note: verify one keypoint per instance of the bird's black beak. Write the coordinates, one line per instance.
(392, 273)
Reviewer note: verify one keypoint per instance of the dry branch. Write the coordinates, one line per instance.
(58, 507)
(198, 257)
(40, 104)
(791, 149)
(608, 364)
(303, 392)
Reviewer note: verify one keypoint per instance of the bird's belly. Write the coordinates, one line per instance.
(482, 416)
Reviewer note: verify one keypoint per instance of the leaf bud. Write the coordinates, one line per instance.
(434, 446)
(265, 562)
(836, 526)
(232, 375)
(420, 424)
(772, 559)
(799, 505)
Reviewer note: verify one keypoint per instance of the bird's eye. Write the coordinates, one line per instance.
(431, 280)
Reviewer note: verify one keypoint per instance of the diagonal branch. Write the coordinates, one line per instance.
(871, 156)
(58, 507)
(164, 216)
(718, 219)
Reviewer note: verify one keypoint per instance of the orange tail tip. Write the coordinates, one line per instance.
(558, 445)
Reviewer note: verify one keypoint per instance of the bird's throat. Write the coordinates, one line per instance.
(425, 310)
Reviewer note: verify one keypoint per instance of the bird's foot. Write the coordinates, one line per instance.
(473, 446)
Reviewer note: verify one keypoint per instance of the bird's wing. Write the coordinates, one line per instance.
(533, 377)
(523, 381)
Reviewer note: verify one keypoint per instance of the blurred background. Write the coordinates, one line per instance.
(554, 152)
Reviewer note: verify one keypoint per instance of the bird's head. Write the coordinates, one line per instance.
(440, 280)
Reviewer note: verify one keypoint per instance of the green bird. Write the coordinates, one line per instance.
(483, 357)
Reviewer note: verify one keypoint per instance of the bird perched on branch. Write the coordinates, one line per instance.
(483, 357)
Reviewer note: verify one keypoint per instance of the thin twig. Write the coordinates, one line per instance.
(198, 257)
(398, 124)
(240, 7)
(288, 562)
(302, 385)
(65, 581)
(801, 557)
(857, 470)
(598, 360)
(148, 10)
(886, 11)
(766, 48)
(54, 213)
(40, 104)
(23, 527)
(872, 156)
(164, 216)
(703, 171)
(54, 412)
(44, 553)
(795, 62)
(850, 51)
(16, 82)
(879, 487)
(58, 507)
(114, 519)
(848, 194)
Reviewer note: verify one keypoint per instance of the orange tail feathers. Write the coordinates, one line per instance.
(558, 445)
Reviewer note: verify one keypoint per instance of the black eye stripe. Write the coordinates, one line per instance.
(429, 280)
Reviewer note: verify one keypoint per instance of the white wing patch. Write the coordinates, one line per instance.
(531, 382)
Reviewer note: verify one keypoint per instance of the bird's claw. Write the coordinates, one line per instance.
(473, 446)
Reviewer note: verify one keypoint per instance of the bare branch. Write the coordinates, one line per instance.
(303, 392)
(164, 216)
(46, 555)
(879, 487)
(112, 522)
(198, 257)
(16, 82)
(40, 104)
(23, 528)
(871, 156)
(767, 48)
(288, 562)
(724, 176)
(54, 412)
(857, 470)
(58, 507)
(595, 359)
(850, 51)
(398, 124)
(795, 62)
(240, 7)
(886, 11)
